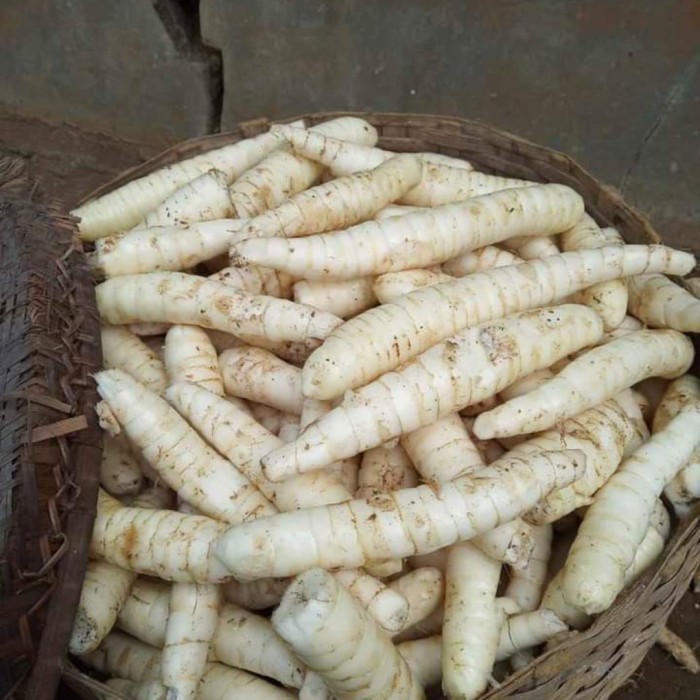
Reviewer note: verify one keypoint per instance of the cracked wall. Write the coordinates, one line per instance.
(130, 68)
(612, 83)
(615, 84)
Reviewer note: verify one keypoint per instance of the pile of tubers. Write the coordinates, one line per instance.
(352, 400)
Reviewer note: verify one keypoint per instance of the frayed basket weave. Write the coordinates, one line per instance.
(49, 439)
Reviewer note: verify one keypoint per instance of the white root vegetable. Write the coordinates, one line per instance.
(157, 496)
(445, 185)
(648, 551)
(384, 470)
(603, 433)
(163, 543)
(480, 406)
(340, 203)
(334, 636)
(244, 442)
(442, 159)
(343, 298)
(247, 641)
(191, 357)
(628, 325)
(417, 239)
(146, 690)
(283, 174)
(385, 337)
(486, 258)
(261, 594)
(680, 393)
(490, 450)
(651, 546)
(342, 156)
(175, 297)
(442, 182)
(629, 403)
(270, 418)
(385, 568)
(424, 591)
(510, 543)
(519, 634)
(289, 429)
(391, 285)
(122, 349)
(609, 299)
(661, 303)
(424, 658)
(192, 620)
(149, 329)
(473, 622)
(314, 688)
(185, 462)
(145, 611)
(527, 630)
(104, 592)
(399, 524)
(553, 599)
(204, 198)
(679, 649)
(124, 207)
(428, 627)
(294, 352)
(345, 471)
(526, 384)
(125, 657)
(589, 380)
(387, 606)
(221, 682)
(443, 450)
(532, 247)
(615, 523)
(692, 284)
(395, 210)
(526, 583)
(256, 280)
(462, 370)
(684, 488)
(120, 472)
(106, 589)
(163, 247)
(259, 375)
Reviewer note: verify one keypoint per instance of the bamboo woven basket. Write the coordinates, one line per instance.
(585, 665)
(49, 439)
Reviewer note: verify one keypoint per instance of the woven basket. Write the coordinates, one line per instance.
(593, 663)
(49, 439)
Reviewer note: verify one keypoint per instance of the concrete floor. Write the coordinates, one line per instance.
(69, 163)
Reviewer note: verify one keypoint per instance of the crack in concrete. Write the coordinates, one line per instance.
(676, 92)
(180, 19)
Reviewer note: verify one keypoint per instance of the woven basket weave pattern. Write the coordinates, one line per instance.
(595, 662)
(49, 334)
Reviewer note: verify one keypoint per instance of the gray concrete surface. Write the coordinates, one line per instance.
(117, 67)
(614, 84)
